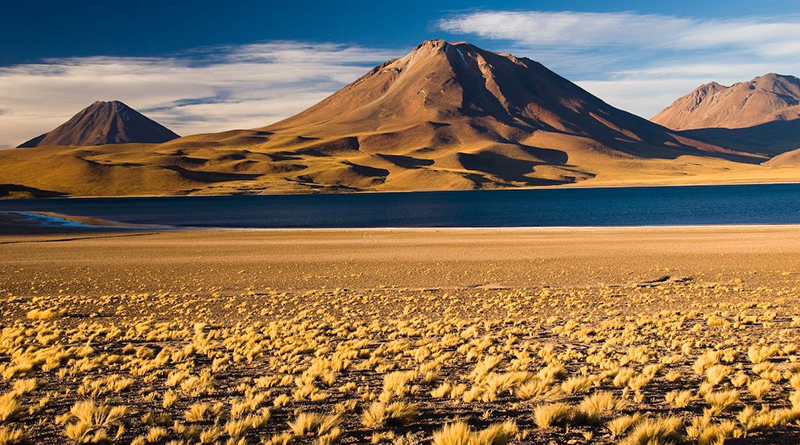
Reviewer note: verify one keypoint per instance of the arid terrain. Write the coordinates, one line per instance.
(445, 116)
(443, 336)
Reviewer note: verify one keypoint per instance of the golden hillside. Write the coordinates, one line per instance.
(444, 117)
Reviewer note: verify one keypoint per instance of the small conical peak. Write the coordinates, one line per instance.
(105, 122)
(111, 109)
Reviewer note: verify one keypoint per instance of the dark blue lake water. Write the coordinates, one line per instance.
(733, 204)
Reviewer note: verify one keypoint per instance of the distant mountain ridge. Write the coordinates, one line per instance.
(761, 116)
(446, 116)
(105, 123)
(772, 97)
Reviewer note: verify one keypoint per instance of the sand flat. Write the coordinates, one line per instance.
(183, 260)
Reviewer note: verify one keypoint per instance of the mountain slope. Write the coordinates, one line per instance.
(772, 97)
(445, 94)
(105, 123)
(444, 117)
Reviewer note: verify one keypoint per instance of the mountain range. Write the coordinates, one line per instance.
(760, 116)
(772, 97)
(445, 116)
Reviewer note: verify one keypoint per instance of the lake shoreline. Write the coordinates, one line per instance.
(576, 207)
(571, 186)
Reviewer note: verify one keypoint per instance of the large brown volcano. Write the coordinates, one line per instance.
(443, 96)
(456, 116)
(445, 116)
(105, 123)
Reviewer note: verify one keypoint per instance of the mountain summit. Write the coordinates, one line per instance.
(105, 123)
(772, 97)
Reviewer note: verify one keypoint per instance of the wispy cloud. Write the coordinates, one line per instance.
(212, 89)
(567, 28)
(640, 62)
(591, 30)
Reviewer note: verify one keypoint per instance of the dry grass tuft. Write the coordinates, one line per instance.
(379, 414)
(549, 415)
(655, 431)
(460, 433)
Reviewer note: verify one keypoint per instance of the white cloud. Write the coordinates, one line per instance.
(637, 62)
(592, 29)
(640, 62)
(214, 89)
(586, 29)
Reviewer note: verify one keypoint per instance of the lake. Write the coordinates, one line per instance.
(633, 206)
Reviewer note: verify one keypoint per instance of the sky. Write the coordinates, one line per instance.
(201, 66)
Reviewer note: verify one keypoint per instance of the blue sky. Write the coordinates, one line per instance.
(202, 65)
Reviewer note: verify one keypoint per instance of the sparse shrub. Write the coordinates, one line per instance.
(380, 414)
(397, 383)
(759, 354)
(495, 434)
(198, 412)
(598, 405)
(311, 422)
(539, 390)
(44, 314)
(622, 424)
(441, 391)
(456, 433)
(721, 401)
(576, 385)
(655, 431)
(15, 436)
(460, 433)
(679, 399)
(24, 386)
(759, 388)
(170, 397)
(9, 405)
(706, 360)
(716, 373)
(623, 376)
(716, 433)
(546, 416)
(155, 434)
(284, 438)
(88, 422)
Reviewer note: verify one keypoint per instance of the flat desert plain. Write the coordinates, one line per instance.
(402, 336)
